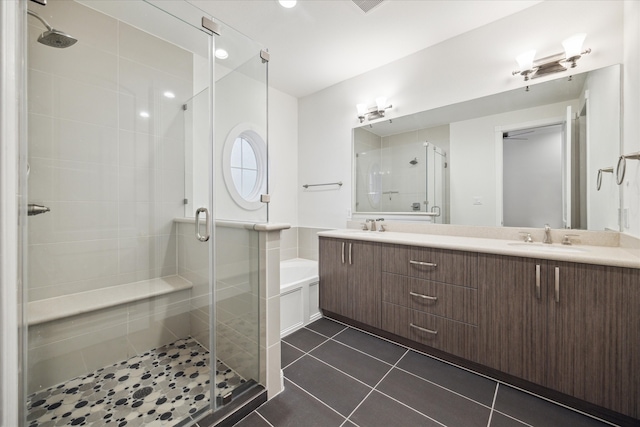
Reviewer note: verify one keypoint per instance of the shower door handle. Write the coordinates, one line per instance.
(199, 236)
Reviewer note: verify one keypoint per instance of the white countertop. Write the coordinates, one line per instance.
(599, 255)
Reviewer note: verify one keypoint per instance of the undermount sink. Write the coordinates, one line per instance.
(543, 247)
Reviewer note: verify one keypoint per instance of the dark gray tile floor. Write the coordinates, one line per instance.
(336, 375)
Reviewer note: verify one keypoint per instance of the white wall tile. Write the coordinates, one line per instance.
(85, 103)
(40, 92)
(84, 142)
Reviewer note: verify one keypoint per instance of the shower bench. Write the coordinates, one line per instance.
(49, 309)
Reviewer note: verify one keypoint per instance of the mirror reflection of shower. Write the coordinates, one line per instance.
(52, 37)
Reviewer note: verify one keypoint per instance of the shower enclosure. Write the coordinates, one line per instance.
(142, 303)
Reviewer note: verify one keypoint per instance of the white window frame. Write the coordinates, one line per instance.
(257, 142)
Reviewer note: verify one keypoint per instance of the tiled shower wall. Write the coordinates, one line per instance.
(114, 182)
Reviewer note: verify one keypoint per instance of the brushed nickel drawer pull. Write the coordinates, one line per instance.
(538, 281)
(557, 284)
(350, 251)
(413, 294)
(429, 331)
(426, 264)
(343, 252)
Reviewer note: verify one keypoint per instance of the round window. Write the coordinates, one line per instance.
(244, 166)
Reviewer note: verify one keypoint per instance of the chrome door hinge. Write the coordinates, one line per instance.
(210, 25)
(265, 198)
(265, 55)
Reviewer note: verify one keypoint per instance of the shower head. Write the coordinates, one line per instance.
(56, 38)
(53, 37)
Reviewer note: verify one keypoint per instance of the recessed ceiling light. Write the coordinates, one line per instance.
(287, 3)
(144, 114)
(169, 95)
(221, 54)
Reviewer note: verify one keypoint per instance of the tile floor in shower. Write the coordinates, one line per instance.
(160, 387)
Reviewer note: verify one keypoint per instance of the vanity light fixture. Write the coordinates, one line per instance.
(375, 112)
(530, 68)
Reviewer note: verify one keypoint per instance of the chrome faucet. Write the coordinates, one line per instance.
(372, 224)
(547, 234)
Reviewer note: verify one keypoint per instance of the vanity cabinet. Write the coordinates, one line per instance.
(574, 328)
(429, 296)
(350, 279)
(569, 327)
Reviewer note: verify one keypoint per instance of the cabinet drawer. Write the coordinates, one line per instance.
(450, 301)
(440, 265)
(447, 335)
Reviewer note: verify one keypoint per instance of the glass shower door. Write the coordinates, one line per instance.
(114, 310)
(241, 179)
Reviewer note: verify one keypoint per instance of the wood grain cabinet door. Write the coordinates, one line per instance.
(334, 276)
(594, 334)
(512, 316)
(365, 282)
(350, 279)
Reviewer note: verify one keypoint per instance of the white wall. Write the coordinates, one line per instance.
(466, 67)
(283, 157)
(631, 129)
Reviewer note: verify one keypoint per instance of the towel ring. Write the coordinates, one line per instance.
(599, 181)
(622, 162)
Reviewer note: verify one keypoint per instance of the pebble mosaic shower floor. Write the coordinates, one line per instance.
(158, 388)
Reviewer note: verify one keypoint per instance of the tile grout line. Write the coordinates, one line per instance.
(396, 400)
(261, 416)
(339, 370)
(409, 407)
(336, 334)
(360, 351)
(374, 387)
(443, 387)
(315, 398)
(513, 418)
(493, 404)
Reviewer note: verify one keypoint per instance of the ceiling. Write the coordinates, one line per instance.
(319, 43)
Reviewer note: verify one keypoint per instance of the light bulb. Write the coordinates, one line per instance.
(287, 3)
(221, 54)
(573, 45)
(525, 60)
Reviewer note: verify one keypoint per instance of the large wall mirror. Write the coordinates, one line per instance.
(522, 158)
